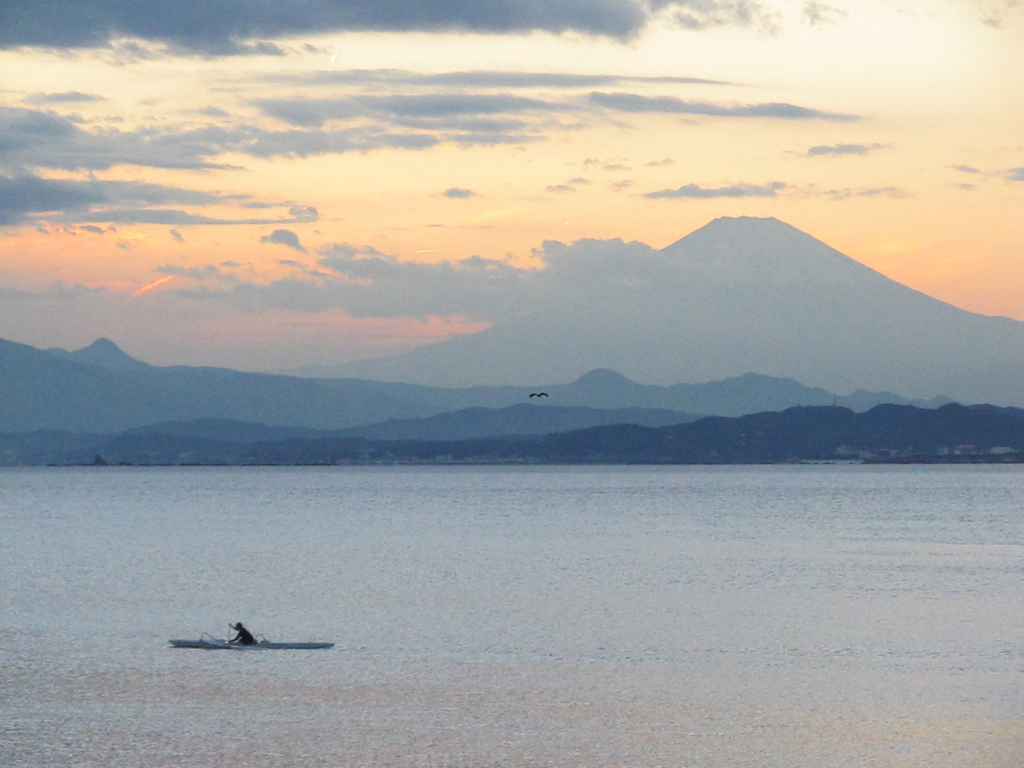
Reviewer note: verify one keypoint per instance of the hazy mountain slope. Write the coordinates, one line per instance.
(104, 353)
(40, 390)
(523, 419)
(46, 390)
(738, 295)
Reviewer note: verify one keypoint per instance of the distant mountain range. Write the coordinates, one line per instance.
(952, 433)
(737, 295)
(100, 389)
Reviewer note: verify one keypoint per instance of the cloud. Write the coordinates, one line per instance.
(695, 192)
(409, 109)
(843, 149)
(67, 97)
(22, 198)
(818, 14)
(635, 103)
(844, 194)
(205, 272)
(28, 198)
(249, 26)
(284, 237)
(178, 238)
(707, 14)
(43, 139)
(1015, 174)
(995, 11)
(965, 169)
(364, 282)
(482, 79)
(457, 193)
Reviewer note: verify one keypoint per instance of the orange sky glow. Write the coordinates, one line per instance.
(244, 190)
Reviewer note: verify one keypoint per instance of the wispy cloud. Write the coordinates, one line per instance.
(844, 194)
(636, 103)
(28, 198)
(412, 109)
(696, 192)
(818, 14)
(479, 79)
(707, 14)
(41, 139)
(835, 150)
(66, 97)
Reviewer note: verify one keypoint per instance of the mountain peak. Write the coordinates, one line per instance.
(104, 353)
(766, 249)
(602, 377)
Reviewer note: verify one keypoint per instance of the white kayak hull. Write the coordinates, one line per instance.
(266, 645)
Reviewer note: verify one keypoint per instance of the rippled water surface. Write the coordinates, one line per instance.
(543, 617)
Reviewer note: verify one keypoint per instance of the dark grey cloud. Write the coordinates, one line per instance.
(22, 198)
(223, 27)
(284, 237)
(177, 236)
(249, 26)
(44, 139)
(842, 149)
(635, 103)
(965, 169)
(1015, 174)
(458, 193)
(27, 198)
(559, 188)
(695, 192)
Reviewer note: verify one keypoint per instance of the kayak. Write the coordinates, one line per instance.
(213, 644)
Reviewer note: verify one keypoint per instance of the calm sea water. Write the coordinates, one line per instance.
(523, 618)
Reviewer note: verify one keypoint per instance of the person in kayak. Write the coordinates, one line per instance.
(244, 636)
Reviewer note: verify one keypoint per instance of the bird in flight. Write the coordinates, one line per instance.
(538, 394)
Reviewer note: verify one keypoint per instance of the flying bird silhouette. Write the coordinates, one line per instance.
(538, 394)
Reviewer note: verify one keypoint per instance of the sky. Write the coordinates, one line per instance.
(268, 185)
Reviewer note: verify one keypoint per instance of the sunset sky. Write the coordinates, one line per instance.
(265, 185)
